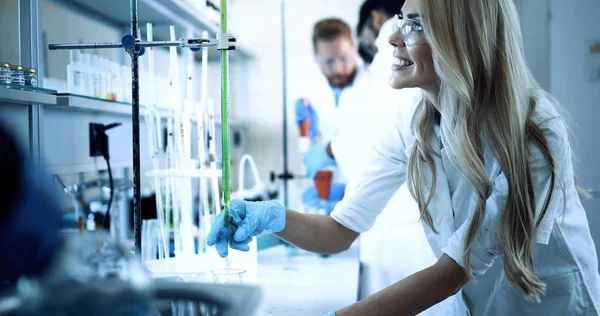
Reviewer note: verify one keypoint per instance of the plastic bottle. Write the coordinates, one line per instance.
(114, 80)
(87, 77)
(90, 224)
(74, 73)
(110, 81)
(104, 75)
(96, 77)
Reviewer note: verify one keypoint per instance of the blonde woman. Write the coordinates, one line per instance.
(487, 158)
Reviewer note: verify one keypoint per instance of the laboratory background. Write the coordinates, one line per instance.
(133, 229)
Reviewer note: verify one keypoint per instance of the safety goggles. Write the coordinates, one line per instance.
(330, 62)
(411, 31)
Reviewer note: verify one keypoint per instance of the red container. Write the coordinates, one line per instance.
(323, 183)
(304, 128)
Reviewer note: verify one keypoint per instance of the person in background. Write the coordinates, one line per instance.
(327, 99)
(29, 215)
(372, 16)
(487, 156)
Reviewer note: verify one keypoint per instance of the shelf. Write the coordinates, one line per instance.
(8, 95)
(97, 105)
(74, 101)
(161, 13)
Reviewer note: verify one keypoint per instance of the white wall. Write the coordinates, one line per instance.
(259, 23)
(61, 26)
(9, 26)
(574, 28)
(535, 25)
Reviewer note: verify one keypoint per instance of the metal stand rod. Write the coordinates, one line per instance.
(135, 118)
(84, 46)
(285, 127)
(191, 43)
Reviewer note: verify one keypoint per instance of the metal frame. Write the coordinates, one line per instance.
(136, 48)
(29, 56)
(286, 175)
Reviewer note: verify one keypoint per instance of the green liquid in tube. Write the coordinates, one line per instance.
(225, 119)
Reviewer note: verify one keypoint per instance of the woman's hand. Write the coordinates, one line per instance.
(247, 219)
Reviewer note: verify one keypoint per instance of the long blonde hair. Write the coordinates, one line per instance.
(487, 98)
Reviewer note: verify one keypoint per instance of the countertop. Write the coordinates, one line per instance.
(306, 283)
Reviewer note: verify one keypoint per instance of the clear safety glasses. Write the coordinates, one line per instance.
(331, 62)
(411, 31)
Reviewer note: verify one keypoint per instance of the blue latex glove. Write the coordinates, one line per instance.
(304, 110)
(330, 314)
(316, 159)
(247, 219)
(311, 197)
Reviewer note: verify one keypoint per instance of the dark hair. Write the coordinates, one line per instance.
(329, 30)
(390, 7)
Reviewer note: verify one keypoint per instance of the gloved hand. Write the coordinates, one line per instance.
(330, 314)
(316, 159)
(304, 110)
(311, 198)
(247, 219)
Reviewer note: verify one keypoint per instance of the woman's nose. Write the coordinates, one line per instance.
(396, 40)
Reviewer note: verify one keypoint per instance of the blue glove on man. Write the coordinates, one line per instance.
(304, 110)
(316, 159)
(247, 219)
(311, 197)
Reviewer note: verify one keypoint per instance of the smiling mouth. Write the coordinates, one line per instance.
(401, 62)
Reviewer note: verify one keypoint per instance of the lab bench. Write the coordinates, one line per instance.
(305, 283)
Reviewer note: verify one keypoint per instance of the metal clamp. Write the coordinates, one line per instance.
(129, 44)
(227, 41)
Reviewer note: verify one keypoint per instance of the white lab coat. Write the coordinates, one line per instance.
(330, 117)
(396, 246)
(564, 254)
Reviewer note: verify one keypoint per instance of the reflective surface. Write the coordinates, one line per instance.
(229, 276)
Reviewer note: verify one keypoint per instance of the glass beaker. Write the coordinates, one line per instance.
(229, 276)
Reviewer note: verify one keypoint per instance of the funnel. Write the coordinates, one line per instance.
(323, 183)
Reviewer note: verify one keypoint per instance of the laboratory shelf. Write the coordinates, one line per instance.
(18, 96)
(93, 104)
(75, 101)
(81, 102)
(161, 13)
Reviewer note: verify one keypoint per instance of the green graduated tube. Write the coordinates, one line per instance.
(225, 119)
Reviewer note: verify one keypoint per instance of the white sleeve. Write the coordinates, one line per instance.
(486, 247)
(384, 172)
